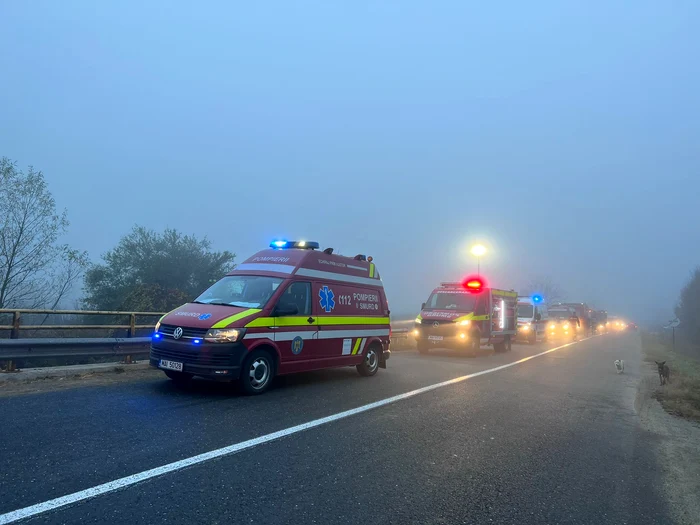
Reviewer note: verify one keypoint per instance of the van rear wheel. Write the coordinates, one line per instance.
(370, 364)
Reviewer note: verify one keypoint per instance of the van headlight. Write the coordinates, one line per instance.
(418, 320)
(157, 326)
(466, 322)
(224, 335)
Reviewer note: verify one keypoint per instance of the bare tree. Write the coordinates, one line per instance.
(547, 288)
(35, 271)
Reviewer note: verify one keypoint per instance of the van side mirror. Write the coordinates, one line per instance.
(282, 310)
(422, 306)
(538, 316)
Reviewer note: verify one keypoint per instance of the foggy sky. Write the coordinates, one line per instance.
(563, 137)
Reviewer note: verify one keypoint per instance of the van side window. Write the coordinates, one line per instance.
(481, 306)
(299, 295)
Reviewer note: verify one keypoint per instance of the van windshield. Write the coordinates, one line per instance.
(526, 310)
(245, 291)
(461, 301)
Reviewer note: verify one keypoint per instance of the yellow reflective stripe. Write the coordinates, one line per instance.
(233, 318)
(371, 269)
(280, 321)
(331, 320)
(467, 317)
(327, 320)
(419, 318)
(481, 317)
(357, 346)
(503, 292)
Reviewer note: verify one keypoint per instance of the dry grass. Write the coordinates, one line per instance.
(680, 397)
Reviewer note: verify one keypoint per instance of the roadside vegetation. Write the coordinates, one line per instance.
(681, 395)
(146, 271)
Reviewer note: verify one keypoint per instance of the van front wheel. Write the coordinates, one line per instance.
(370, 364)
(257, 372)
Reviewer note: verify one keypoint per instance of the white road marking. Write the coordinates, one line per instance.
(127, 481)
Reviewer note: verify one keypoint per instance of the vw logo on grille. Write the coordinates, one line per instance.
(177, 334)
(436, 324)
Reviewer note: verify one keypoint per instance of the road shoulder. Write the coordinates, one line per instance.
(51, 379)
(678, 450)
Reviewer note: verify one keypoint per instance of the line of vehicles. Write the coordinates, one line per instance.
(469, 315)
(294, 308)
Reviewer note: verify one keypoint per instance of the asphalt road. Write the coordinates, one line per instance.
(554, 439)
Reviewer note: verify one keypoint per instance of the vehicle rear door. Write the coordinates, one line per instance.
(296, 327)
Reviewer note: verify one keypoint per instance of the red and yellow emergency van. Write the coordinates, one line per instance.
(467, 315)
(290, 308)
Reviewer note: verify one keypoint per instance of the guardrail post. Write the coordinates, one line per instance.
(132, 325)
(15, 326)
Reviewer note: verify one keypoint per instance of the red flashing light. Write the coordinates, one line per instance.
(473, 284)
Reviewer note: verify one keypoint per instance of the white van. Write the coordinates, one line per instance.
(532, 320)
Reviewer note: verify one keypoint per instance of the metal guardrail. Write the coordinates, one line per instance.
(66, 347)
(60, 348)
(17, 315)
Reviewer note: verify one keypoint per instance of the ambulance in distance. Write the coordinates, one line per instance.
(290, 308)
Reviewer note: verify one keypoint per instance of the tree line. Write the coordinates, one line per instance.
(146, 271)
(688, 309)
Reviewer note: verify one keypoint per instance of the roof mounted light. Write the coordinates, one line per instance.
(473, 284)
(537, 299)
(302, 245)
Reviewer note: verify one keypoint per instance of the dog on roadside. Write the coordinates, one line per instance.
(664, 372)
(619, 366)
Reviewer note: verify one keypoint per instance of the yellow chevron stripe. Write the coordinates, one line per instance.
(357, 346)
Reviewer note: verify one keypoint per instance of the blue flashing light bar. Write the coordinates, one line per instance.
(156, 336)
(537, 299)
(284, 245)
(196, 341)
